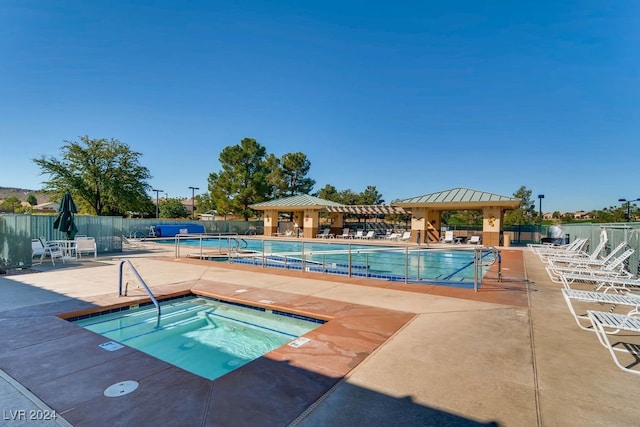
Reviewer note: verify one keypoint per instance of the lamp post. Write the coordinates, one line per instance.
(540, 197)
(193, 205)
(628, 202)
(157, 202)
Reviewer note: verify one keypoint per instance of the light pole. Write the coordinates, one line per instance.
(157, 201)
(540, 197)
(628, 202)
(193, 205)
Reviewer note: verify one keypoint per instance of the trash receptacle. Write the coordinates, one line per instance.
(506, 241)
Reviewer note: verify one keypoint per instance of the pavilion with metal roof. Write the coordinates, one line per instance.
(425, 212)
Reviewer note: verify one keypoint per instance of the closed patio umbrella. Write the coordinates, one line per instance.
(64, 222)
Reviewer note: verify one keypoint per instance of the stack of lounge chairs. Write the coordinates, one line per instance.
(601, 294)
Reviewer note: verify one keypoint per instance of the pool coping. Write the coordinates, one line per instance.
(41, 346)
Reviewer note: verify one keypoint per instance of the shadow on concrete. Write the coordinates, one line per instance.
(64, 366)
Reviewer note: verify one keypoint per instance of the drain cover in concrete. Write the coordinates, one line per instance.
(121, 389)
(111, 346)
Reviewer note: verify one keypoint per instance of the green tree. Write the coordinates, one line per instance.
(32, 200)
(173, 208)
(104, 176)
(242, 180)
(370, 196)
(288, 175)
(10, 204)
(525, 213)
(329, 192)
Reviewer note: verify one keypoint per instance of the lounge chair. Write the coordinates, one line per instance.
(392, 236)
(132, 243)
(474, 240)
(359, 234)
(601, 280)
(371, 234)
(575, 246)
(615, 267)
(577, 254)
(581, 258)
(448, 237)
(405, 236)
(346, 233)
(325, 234)
(86, 245)
(606, 324)
(611, 298)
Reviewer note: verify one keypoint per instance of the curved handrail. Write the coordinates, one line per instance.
(140, 279)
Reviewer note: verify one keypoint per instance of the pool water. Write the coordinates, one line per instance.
(204, 336)
(389, 263)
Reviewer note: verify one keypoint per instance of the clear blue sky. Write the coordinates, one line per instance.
(412, 97)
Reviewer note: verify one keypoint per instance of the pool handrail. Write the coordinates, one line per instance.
(233, 246)
(140, 279)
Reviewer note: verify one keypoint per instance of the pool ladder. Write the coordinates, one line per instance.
(140, 279)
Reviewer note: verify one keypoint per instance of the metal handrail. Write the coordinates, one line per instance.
(140, 279)
(233, 244)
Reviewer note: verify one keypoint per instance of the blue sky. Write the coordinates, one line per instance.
(412, 97)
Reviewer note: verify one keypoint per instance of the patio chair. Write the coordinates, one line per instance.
(581, 256)
(578, 254)
(86, 245)
(611, 298)
(474, 240)
(448, 237)
(614, 267)
(601, 280)
(575, 246)
(325, 234)
(131, 242)
(371, 234)
(38, 248)
(359, 234)
(392, 236)
(582, 261)
(405, 236)
(606, 324)
(346, 233)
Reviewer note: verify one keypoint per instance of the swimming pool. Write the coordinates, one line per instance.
(411, 264)
(205, 336)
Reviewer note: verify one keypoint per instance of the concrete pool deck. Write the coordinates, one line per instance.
(510, 354)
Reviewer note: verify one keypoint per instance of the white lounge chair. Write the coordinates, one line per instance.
(606, 324)
(614, 267)
(611, 298)
(359, 234)
(405, 236)
(325, 234)
(580, 258)
(600, 280)
(474, 240)
(132, 243)
(575, 246)
(346, 233)
(371, 234)
(448, 237)
(392, 236)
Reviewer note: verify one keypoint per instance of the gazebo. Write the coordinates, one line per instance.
(425, 212)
